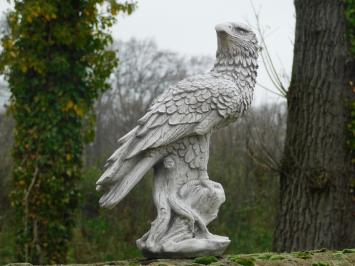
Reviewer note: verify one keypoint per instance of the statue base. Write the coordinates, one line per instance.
(186, 201)
(189, 248)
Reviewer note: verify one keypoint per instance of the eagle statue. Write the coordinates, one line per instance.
(173, 138)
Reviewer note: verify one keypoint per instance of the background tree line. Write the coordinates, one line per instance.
(244, 158)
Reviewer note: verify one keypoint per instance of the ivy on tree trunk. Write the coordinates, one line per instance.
(56, 62)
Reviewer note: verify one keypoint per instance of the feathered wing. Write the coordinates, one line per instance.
(193, 106)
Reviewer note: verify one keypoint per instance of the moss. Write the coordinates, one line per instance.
(319, 257)
(277, 257)
(264, 256)
(134, 264)
(303, 255)
(349, 250)
(320, 263)
(338, 254)
(245, 261)
(205, 260)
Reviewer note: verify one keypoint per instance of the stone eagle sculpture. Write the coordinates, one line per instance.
(173, 137)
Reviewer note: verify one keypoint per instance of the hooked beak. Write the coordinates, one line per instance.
(223, 27)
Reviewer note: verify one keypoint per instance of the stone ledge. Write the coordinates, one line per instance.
(321, 257)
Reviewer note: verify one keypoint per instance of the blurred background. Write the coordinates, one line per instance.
(157, 49)
(161, 43)
(242, 159)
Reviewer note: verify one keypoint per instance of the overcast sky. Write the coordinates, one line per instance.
(187, 26)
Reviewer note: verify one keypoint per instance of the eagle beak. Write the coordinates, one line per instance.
(223, 27)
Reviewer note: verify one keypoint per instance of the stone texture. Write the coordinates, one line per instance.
(174, 137)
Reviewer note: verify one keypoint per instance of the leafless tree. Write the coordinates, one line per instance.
(279, 78)
(143, 73)
(265, 130)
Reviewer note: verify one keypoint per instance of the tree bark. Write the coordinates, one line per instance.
(315, 195)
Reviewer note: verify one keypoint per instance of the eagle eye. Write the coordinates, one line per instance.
(241, 30)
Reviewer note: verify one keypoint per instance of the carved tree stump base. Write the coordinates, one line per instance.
(186, 201)
(189, 248)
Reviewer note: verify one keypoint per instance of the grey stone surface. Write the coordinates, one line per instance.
(173, 137)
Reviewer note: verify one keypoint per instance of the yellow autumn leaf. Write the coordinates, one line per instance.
(78, 111)
(70, 105)
(24, 68)
(34, 14)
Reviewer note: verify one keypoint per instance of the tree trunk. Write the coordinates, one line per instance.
(315, 195)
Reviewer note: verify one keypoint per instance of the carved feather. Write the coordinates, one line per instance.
(192, 107)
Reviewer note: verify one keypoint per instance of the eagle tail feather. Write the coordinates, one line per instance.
(122, 187)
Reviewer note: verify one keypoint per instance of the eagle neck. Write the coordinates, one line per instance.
(241, 67)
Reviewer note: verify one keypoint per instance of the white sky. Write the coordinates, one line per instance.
(187, 26)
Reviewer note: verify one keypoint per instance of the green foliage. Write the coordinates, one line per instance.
(7, 239)
(56, 63)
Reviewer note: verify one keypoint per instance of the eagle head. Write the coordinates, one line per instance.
(236, 39)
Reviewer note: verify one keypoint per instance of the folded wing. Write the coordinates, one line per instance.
(193, 106)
